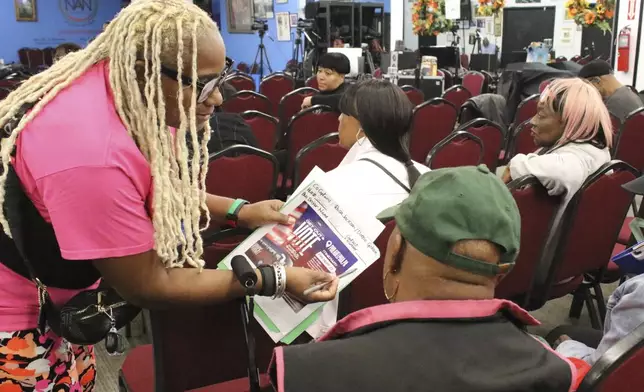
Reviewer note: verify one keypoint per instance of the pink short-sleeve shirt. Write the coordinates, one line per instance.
(86, 176)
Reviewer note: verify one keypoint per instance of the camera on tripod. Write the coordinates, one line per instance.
(259, 25)
(306, 24)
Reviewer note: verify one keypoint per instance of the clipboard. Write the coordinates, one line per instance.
(631, 260)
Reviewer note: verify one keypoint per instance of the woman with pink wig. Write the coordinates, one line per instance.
(572, 129)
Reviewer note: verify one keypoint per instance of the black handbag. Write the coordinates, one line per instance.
(88, 317)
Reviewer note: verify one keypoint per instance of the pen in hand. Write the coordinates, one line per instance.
(320, 286)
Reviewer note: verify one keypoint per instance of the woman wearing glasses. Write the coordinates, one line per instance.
(99, 146)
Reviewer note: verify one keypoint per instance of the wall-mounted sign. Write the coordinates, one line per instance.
(79, 12)
(632, 6)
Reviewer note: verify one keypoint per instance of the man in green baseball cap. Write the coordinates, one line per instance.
(456, 234)
(459, 228)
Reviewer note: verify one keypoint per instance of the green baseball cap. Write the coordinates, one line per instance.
(462, 203)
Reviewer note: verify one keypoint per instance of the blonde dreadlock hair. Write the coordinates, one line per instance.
(155, 31)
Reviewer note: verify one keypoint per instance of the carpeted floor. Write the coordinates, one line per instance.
(553, 314)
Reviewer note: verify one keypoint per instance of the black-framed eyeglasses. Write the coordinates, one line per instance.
(204, 87)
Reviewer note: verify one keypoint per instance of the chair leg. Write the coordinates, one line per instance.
(601, 302)
(595, 322)
(577, 305)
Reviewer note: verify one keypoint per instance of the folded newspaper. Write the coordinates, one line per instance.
(323, 237)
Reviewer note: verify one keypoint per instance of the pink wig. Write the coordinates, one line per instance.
(581, 108)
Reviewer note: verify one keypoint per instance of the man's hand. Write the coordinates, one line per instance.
(300, 279)
(560, 340)
(306, 103)
(506, 177)
(263, 213)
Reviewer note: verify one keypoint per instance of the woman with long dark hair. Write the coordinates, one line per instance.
(377, 172)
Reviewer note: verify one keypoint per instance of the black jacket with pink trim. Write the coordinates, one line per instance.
(447, 346)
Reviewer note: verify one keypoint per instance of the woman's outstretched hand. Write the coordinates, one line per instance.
(263, 213)
(299, 279)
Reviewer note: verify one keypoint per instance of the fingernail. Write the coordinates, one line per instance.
(291, 220)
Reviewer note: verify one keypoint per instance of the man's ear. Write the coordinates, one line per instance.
(393, 256)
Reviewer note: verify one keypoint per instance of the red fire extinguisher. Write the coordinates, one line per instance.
(623, 49)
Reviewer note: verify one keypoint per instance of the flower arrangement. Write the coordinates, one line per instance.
(600, 16)
(489, 7)
(428, 17)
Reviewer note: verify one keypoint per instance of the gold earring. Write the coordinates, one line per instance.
(390, 298)
(358, 137)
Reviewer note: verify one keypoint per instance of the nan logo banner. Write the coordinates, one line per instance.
(79, 12)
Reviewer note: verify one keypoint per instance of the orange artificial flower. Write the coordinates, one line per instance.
(482, 2)
(609, 14)
(589, 17)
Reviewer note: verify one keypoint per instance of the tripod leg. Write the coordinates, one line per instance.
(268, 63)
(255, 61)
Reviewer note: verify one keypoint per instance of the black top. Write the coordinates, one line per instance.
(229, 129)
(330, 98)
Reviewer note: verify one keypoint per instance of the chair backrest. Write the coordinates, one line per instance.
(575, 58)
(465, 61)
(616, 125)
(458, 149)
(585, 60)
(241, 81)
(630, 139)
(449, 78)
(415, 95)
(291, 104)
(521, 140)
(619, 369)
(312, 82)
(49, 55)
(367, 290)
(473, 81)
(432, 122)
(246, 100)
(36, 58)
(457, 95)
(306, 127)
(491, 134)
(561, 59)
(185, 339)
(526, 109)
(265, 128)
(537, 210)
(242, 172)
(544, 84)
(22, 56)
(275, 86)
(243, 67)
(591, 223)
(325, 153)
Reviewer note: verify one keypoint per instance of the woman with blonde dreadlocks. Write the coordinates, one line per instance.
(98, 144)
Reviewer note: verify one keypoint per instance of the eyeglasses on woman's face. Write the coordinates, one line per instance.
(204, 87)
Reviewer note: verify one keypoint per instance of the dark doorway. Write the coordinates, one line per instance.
(595, 43)
(523, 25)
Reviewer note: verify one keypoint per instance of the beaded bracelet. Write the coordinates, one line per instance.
(280, 280)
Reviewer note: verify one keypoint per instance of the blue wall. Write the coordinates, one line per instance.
(58, 22)
(243, 47)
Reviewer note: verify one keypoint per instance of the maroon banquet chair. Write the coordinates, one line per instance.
(366, 290)
(474, 81)
(304, 128)
(630, 140)
(415, 95)
(246, 100)
(590, 226)
(230, 173)
(465, 61)
(543, 85)
(274, 87)
(458, 149)
(457, 95)
(312, 82)
(537, 210)
(448, 78)
(619, 369)
(22, 56)
(432, 122)
(291, 104)
(491, 135)
(325, 153)
(241, 81)
(243, 67)
(265, 128)
(526, 109)
(521, 141)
